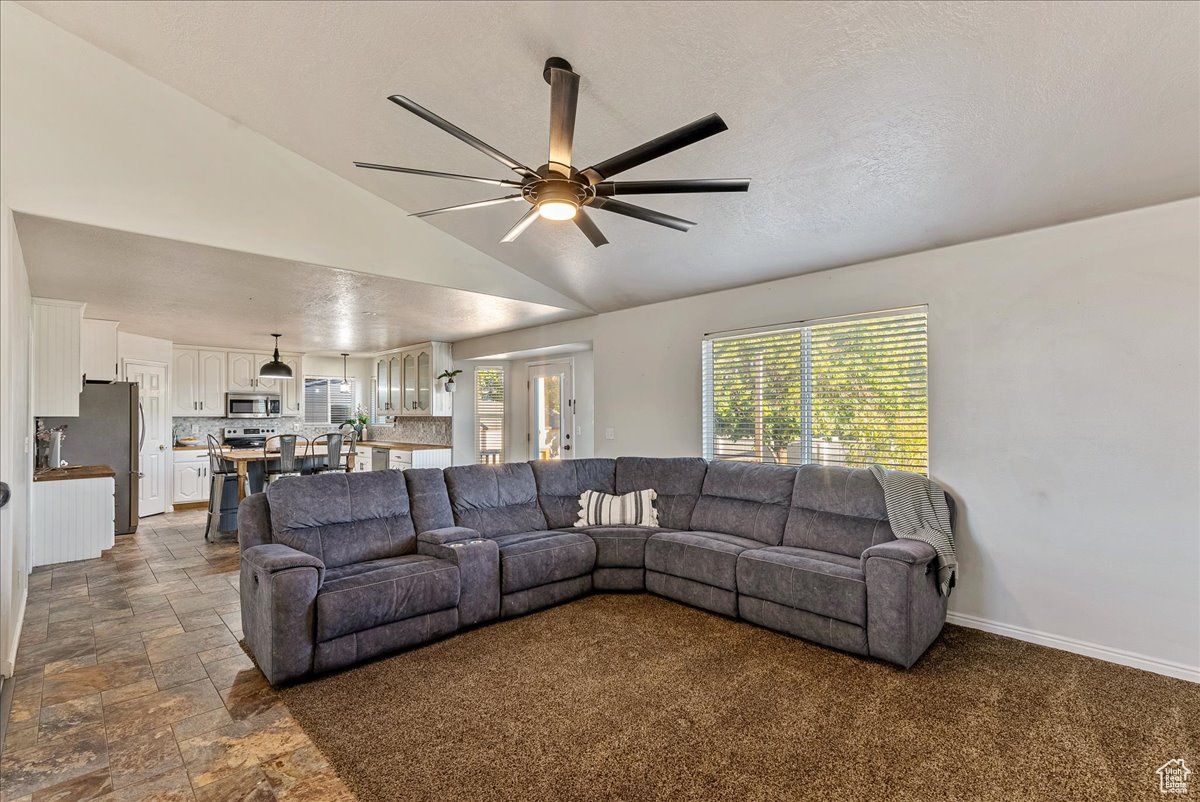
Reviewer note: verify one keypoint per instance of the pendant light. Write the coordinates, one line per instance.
(345, 388)
(275, 369)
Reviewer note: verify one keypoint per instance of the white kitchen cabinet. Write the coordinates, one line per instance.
(198, 383)
(243, 371)
(406, 383)
(71, 520)
(191, 480)
(57, 357)
(431, 458)
(362, 459)
(99, 350)
(291, 391)
(400, 460)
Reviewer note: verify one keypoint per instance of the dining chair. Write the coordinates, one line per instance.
(284, 455)
(336, 452)
(220, 470)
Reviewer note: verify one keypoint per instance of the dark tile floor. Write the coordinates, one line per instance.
(130, 684)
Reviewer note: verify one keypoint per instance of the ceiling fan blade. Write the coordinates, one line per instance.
(641, 213)
(496, 182)
(455, 131)
(589, 228)
(525, 222)
(564, 99)
(659, 146)
(610, 188)
(475, 205)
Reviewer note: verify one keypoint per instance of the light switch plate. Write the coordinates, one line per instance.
(610, 433)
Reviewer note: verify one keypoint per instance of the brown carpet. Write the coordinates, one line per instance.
(636, 698)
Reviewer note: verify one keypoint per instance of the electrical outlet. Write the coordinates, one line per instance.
(610, 433)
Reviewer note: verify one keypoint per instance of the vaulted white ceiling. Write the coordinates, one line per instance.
(869, 129)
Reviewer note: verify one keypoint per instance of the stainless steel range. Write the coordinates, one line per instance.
(247, 436)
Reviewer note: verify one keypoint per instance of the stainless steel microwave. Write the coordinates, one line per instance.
(252, 405)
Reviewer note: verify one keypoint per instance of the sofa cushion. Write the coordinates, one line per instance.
(494, 499)
(708, 557)
(621, 546)
(746, 499)
(530, 559)
(837, 510)
(343, 518)
(365, 595)
(831, 585)
(561, 482)
(635, 508)
(677, 481)
(429, 499)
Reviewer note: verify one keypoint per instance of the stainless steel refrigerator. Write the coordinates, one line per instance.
(108, 432)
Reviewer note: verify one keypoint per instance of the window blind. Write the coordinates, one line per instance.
(849, 392)
(489, 414)
(325, 403)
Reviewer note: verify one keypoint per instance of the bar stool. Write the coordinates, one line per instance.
(285, 460)
(335, 457)
(221, 470)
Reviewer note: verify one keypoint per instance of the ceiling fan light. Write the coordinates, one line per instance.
(557, 210)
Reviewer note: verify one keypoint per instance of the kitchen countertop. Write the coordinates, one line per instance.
(74, 472)
(364, 444)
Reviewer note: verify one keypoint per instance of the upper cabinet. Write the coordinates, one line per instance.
(243, 371)
(291, 390)
(405, 382)
(99, 351)
(57, 357)
(198, 383)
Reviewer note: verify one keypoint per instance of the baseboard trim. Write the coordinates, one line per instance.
(8, 662)
(1108, 654)
(191, 505)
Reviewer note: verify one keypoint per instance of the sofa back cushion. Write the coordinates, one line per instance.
(677, 481)
(561, 482)
(429, 500)
(746, 499)
(495, 500)
(839, 510)
(343, 518)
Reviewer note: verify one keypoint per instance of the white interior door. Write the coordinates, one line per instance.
(551, 411)
(155, 435)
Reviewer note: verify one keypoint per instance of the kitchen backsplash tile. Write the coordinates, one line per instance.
(434, 431)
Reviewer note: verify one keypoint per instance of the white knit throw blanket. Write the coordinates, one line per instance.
(916, 508)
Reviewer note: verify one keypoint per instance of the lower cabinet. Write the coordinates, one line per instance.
(190, 477)
(362, 460)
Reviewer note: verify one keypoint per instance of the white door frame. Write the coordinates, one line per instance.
(163, 436)
(567, 424)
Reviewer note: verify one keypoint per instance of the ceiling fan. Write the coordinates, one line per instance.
(556, 190)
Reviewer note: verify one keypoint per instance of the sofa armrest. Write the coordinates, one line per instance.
(478, 561)
(278, 588)
(253, 521)
(905, 611)
(449, 534)
(905, 550)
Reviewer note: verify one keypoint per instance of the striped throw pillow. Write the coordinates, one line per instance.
(604, 509)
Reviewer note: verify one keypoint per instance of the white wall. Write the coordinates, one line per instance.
(16, 432)
(1064, 389)
(144, 349)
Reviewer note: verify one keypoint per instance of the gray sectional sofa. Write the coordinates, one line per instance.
(341, 568)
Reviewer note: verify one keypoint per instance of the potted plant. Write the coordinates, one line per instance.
(447, 377)
(359, 423)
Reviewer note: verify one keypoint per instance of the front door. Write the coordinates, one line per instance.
(551, 411)
(155, 431)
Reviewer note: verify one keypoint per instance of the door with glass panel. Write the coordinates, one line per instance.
(551, 411)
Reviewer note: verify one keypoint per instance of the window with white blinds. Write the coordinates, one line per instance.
(325, 403)
(849, 391)
(489, 414)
